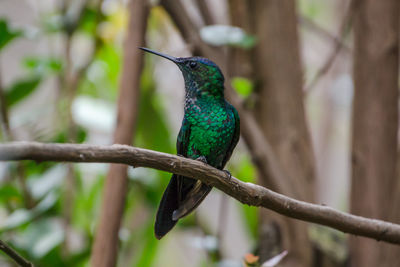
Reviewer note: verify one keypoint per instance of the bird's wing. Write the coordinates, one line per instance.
(182, 143)
(174, 193)
(183, 138)
(190, 191)
(236, 135)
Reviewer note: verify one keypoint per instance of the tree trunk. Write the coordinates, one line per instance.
(280, 113)
(105, 246)
(375, 124)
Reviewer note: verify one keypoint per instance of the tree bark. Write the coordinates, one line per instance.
(280, 113)
(375, 124)
(105, 245)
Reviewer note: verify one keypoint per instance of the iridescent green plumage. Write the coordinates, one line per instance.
(209, 132)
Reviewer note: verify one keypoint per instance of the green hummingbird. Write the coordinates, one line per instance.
(210, 131)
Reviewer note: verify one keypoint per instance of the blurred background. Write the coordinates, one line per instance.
(68, 68)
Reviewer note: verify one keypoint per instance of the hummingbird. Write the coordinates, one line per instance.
(210, 131)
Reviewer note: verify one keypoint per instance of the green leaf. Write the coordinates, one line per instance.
(6, 33)
(21, 89)
(41, 66)
(249, 41)
(9, 193)
(242, 86)
(89, 20)
(220, 35)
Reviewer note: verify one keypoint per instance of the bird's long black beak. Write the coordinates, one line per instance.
(173, 59)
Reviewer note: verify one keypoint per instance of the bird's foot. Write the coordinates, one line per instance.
(202, 159)
(228, 173)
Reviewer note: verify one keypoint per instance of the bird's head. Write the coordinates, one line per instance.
(202, 76)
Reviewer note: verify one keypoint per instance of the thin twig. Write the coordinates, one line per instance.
(338, 46)
(247, 193)
(325, 34)
(14, 255)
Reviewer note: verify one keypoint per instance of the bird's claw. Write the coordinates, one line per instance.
(228, 173)
(202, 159)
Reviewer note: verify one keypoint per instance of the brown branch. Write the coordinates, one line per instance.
(247, 193)
(14, 255)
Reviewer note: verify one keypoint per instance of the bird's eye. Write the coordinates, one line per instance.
(192, 64)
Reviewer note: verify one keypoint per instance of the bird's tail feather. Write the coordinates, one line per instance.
(181, 197)
(169, 203)
(192, 200)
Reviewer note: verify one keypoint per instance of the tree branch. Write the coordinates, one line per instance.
(14, 255)
(247, 193)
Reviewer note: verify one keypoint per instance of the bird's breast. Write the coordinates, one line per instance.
(212, 130)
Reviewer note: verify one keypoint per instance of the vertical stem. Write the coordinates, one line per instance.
(105, 246)
(69, 182)
(5, 124)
